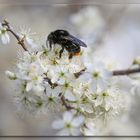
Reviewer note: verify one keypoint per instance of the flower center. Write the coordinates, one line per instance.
(86, 88)
(66, 85)
(45, 52)
(85, 100)
(62, 74)
(54, 62)
(39, 103)
(50, 99)
(96, 74)
(35, 78)
(33, 58)
(95, 96)
(105, 94)
(3, 31)
(68, 125)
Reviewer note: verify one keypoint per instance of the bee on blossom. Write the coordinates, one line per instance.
(66, 41)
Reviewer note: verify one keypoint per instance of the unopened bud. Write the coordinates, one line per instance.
(137, 60)
(11, 75)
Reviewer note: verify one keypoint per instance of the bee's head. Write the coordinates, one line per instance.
(50, 37)
(61, 33)
(55, 35)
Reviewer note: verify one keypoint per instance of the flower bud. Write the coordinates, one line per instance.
(11, 75)
(137, 60)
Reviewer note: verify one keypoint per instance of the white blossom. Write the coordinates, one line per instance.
(33, 77)
(26, 34)
(135, 78)
(30, 70)
(5, 38)
(69, 124)
(81, 88)
(90, 128)
(135, 89)
(67, 90)
(59, 74)
(53, 99)
(81, 91)
(136, 60)
(97, 74)
(11, 75)
(34, 102)
(108, 103)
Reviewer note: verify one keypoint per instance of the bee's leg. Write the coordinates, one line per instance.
(49, 44)
(70, 55)
(61, 51)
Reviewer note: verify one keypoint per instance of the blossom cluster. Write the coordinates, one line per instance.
(49, 83)
(80, 88)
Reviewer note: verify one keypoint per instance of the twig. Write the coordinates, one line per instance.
(114, 72)
(79, 73)
(68, 107)
(20, 41)
(125, 72)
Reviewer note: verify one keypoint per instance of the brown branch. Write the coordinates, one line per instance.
(20, 41)
(125, 72)
(79, 73)
(68, 107)
(114, 72)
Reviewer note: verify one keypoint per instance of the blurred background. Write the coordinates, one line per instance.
(111, 30)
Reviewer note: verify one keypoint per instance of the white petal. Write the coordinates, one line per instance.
(90, 68)
(56, 91)
(31, 42)
(38, 88)
(107, 74)
(5, 38)
(61, 81)
(54, 77)
(77, 121)
(93, 86)
(85, 77)
(10, 75)
(64, 132)
(29, 86)
(68, 95)
(58, 124)
(67, 117)
(75, 132)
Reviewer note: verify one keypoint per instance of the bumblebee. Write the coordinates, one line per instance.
(66, 41)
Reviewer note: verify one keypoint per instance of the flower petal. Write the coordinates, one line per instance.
(67, 117)
(64, 132)
(58, 124)
(5, 38)
(77, 121)
(68, 95)
(29, 86)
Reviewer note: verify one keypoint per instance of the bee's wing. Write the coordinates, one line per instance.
(75, 40)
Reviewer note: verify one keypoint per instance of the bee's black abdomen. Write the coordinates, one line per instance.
(66, 41)
(73, 48)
